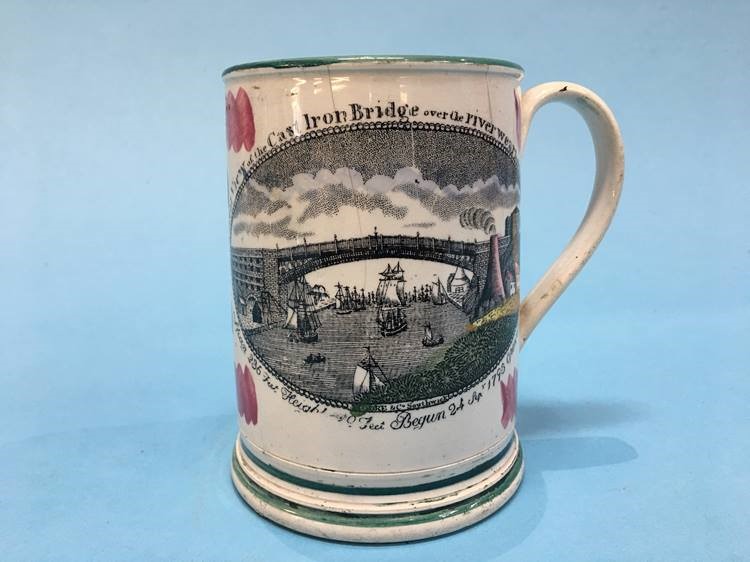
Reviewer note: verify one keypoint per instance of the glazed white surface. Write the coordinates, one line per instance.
(317, 446)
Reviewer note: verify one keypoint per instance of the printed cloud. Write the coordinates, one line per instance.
(311, 203)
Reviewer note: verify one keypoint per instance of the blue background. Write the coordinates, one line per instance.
(117, 409)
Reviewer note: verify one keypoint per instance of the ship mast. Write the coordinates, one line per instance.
(301, 315)
(365, 376)
(391, 299)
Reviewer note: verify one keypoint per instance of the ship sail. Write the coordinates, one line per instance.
(367, 376)
(361, 381)
(398, 275)
(340, 298)
(438, 297)
(429, 339)
(390, 293)
(301, 315)
(292, 303)
(391, 289)
(391, 299)
(291, 318)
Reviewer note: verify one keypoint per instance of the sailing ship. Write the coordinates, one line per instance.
(429, 339)
(392, 320)
(358, 300)
(438, 296)
(391, 299)
(343, 300)
(301, 318)
(368, 375)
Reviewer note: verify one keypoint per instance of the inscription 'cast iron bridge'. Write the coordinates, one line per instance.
(268, 271)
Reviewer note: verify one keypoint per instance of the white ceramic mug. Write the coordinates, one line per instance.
(374, 207)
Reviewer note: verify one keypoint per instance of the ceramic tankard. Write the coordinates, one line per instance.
(374, 217)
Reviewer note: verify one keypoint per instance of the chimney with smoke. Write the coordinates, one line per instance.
(493, 292)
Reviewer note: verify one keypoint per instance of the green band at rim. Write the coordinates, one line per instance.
(320, 61)
(365, 491)
(385, 520)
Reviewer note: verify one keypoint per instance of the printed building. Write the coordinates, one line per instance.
(247, 268)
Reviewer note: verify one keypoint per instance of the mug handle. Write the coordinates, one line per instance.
(607, 187)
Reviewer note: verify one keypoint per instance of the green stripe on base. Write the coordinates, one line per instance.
(385, 520)
(297, 481)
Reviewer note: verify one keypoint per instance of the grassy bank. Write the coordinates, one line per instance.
(470, 357)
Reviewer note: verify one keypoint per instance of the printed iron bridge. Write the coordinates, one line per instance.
(260, 275)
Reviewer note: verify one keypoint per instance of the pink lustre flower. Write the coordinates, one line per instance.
(247, 400)
(508, 394)
(240, 121)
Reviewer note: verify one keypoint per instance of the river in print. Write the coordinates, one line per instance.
(334, 376)
(344, 340)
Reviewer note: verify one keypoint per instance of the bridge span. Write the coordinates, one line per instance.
(262, 274)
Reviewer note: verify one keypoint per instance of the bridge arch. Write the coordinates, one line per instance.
(265, 273)
(301, 260)
(294, 269)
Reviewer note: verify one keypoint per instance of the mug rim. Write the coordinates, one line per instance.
(307, 62)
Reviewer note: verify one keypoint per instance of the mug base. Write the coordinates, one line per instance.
(374, 516)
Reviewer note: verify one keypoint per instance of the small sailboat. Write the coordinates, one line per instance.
(367, 376)
(438, 296)
(343, 300)
(429, 339)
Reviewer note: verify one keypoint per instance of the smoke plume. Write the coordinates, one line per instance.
(476, 217)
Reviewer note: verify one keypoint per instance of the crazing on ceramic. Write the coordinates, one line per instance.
(374, 223)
